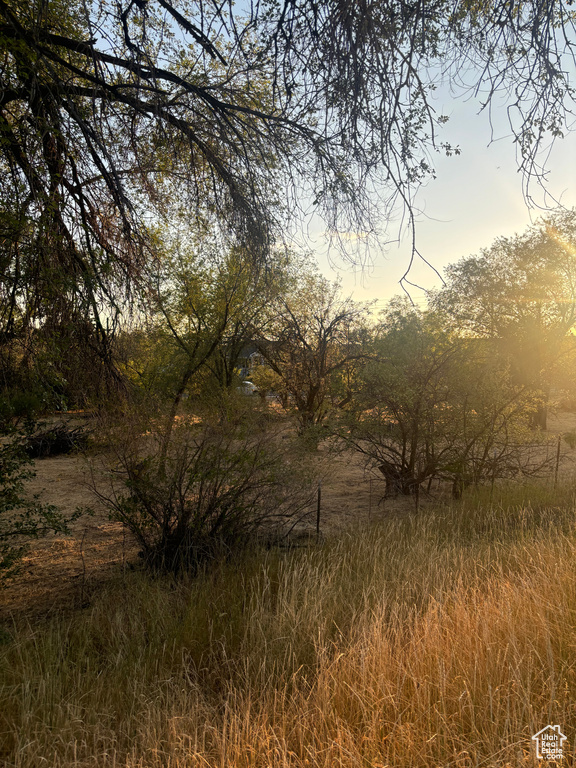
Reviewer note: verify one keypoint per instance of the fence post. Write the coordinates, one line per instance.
(557, 460)
(370, 502)
(318, 508)
(494, 453)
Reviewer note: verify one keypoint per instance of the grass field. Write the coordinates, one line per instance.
(444, 638)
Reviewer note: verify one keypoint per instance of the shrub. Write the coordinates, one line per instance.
(55, 441)
(18, 407)
(214, 487)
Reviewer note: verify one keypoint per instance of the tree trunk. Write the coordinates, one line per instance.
(171, 419)
(539, 418)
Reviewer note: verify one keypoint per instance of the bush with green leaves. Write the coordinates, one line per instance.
(216, 486)
(18, 407)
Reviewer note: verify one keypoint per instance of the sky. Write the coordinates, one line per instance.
(476, 197)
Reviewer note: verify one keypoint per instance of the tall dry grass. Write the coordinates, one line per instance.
(445, 638)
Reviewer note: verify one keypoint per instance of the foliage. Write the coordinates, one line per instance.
(436, 406)
(519, 285)
(217, 485)
(268, 381)
(111, 113)
(21, 517)
(200, 313)
(50, 347)
(17, 407)
(116, 118)
(199, 319)
(521, 294)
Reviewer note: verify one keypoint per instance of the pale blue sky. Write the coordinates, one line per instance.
(476, 197)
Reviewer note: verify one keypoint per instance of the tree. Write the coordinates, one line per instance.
(251, 291)
(434, 405)
(312, 333)
(107, 112)
(521, 294)
(50, 345)
(198, 315)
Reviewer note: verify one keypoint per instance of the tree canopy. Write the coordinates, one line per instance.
(102, 104)
(521, 293)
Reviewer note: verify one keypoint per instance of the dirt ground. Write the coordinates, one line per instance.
(64, 571)
(60, 569)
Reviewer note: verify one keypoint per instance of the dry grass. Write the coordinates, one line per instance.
(440, 639)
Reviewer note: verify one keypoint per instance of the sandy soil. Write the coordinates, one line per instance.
(64, 571)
